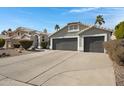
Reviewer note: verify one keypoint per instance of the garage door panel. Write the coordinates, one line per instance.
(94, 44)
(65, 44)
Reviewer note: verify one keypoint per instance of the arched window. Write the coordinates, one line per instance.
(18, 33)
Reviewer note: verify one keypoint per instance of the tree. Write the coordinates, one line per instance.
(99, 20)
(9, 29)
(3, 32)
(45, 30)
(26, 44)
(2, 42)
(44, 44)
(119, 30)
(57, 27)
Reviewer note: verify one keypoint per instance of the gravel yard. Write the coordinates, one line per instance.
(16, 52)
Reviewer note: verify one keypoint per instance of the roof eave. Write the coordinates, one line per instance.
(85, 29)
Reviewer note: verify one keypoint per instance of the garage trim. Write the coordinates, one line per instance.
(95, 35)
(51, 40)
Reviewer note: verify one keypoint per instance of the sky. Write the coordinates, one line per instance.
(39, 18)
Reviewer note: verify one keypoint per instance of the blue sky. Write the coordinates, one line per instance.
(47, 17)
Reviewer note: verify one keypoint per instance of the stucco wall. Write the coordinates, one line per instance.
(94, 31)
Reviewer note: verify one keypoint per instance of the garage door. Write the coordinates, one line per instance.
(94, 44)
(65, 44)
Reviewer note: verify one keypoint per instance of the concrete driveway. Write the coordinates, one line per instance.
(57, 68)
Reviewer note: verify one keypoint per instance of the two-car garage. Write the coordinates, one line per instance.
(91, 44)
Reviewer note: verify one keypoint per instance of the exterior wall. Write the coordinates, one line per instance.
(9, 43)
(64, 31)
(113, 37)
(35, 39)
(19, 33)
(25, 37)
(94, 31)
(44, 37)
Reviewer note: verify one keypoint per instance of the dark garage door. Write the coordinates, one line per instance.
(65, 44)
(94, 44)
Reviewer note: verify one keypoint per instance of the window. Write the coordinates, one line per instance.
(72, 28)
(75, 27)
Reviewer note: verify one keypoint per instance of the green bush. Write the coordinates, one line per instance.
(16, 45)
(2, 42)
(119, 30)
(26, 43)
(44, 44)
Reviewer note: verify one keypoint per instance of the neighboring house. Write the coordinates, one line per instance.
(22, 33)
(77, 36)
(2, 36)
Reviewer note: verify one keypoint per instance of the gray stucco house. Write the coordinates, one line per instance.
(79, 37)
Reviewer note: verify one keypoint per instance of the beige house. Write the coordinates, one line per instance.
(22, 33)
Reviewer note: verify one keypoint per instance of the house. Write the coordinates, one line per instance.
(23, 33)
(79, 37)
(2, 36)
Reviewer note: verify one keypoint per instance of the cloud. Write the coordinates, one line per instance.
(80, 10)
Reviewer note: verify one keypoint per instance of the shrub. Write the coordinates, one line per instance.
(4, 55)
(2, 42)
(16, 45)
(119, 30)
(44, 44)
(26, 43)
(115, 50)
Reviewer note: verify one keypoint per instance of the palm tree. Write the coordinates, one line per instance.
(99, 20)
(9, 29)
(45, 30)
(57, 27)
